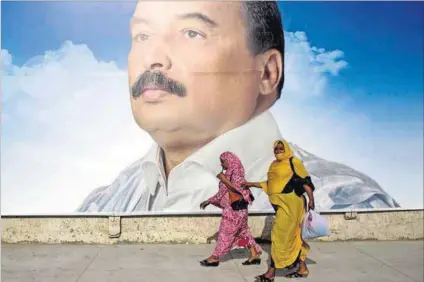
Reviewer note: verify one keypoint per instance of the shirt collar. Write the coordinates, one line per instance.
(251, 142)
(152, 167)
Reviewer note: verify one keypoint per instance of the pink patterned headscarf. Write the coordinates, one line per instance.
(235, 172)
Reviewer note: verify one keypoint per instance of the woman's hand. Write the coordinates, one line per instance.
(311, 197)
(246, 185)
(204, 204)
(220, 176)
(311, 204)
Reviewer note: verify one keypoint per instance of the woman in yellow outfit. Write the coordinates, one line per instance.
(287, 181)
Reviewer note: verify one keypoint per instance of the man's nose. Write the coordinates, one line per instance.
(157, 59)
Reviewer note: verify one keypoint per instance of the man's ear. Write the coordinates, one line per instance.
(271, 65)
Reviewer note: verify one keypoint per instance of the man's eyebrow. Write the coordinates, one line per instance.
(197, 16)
(201, 17)
(135, 20)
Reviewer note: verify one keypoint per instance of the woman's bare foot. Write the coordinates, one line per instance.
(265, 278)
(212, 258)
(252, 258)
(255, 257)
(210, 261)
(270, 273)
(254, 254)
(303, 269)
(302, 272)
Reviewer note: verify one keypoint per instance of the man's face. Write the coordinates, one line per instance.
(203, 80)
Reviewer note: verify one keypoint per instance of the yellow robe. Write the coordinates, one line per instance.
(286, 236)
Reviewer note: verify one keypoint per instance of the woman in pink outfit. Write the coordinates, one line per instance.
(233, 200)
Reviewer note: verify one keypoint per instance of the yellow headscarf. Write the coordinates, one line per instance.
(280, 172)
(288, 153)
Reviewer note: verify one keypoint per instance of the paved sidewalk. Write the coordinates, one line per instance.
(329, 262)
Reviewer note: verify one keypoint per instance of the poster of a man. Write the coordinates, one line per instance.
(202, 78)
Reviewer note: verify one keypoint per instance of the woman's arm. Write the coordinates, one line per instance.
(228, 183)
(216, 199)
(308, 186)
(253, 185)
(310, 194)
(245, 193)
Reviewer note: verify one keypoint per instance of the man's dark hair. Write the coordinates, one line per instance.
(265, 30)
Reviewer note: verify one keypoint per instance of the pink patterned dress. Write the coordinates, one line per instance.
(233, 229)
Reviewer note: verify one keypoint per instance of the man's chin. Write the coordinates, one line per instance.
(170, 135)
(159, 125)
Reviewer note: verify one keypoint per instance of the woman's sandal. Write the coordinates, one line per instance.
(206, 263)
(256, 261)
(263, 278)
(297, 275)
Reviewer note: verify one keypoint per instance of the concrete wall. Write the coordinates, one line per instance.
(371, 225)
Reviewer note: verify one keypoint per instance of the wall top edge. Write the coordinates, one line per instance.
(179, 214)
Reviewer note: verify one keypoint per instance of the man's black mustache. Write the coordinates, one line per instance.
(157, 79)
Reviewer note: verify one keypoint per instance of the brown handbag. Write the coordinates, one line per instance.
(234, 197)
(237, 200)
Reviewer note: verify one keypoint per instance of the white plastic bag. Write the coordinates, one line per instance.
(314, 225)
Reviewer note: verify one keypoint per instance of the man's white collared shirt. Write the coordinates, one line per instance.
(143, 186)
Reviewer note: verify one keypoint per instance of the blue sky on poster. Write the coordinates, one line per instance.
(360, 102)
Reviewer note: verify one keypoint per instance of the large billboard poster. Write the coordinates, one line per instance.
(126, 107)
